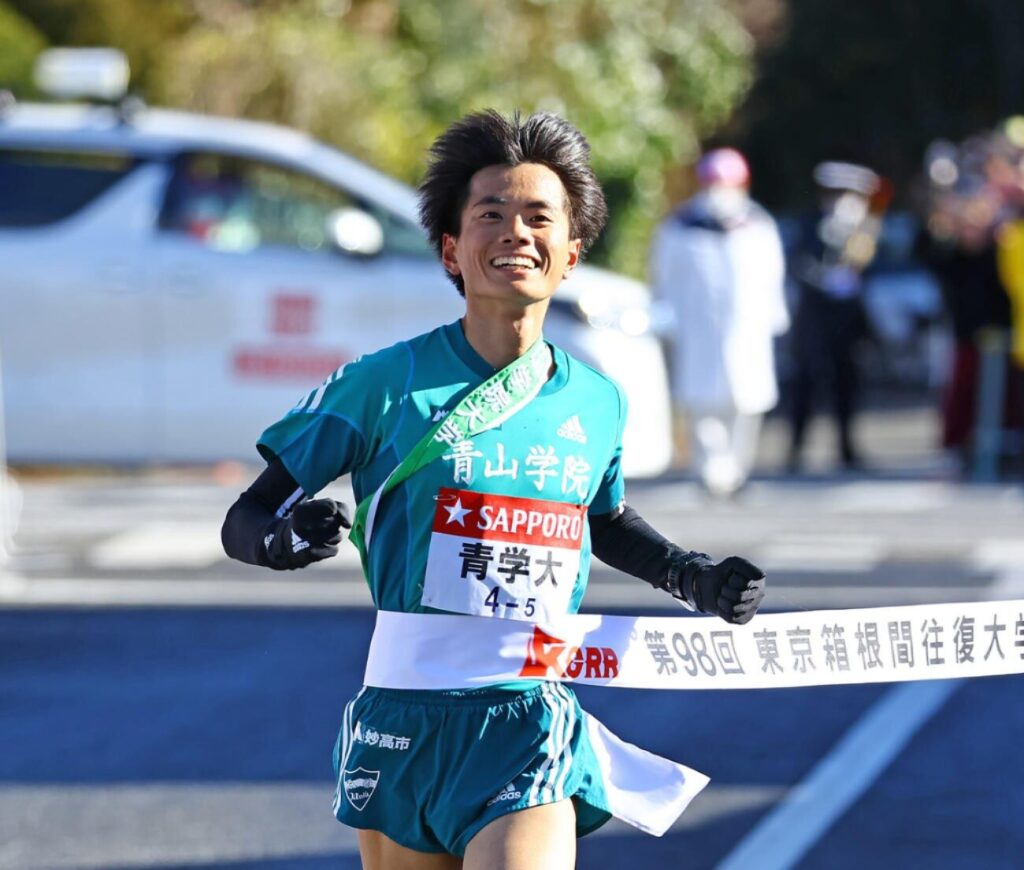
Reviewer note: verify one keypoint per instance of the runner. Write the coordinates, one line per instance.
(508, 476)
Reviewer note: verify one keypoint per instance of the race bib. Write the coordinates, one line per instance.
(498, 555)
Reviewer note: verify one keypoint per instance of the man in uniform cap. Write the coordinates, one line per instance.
(834, 248)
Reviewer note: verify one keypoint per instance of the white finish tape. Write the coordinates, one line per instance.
(827, 647)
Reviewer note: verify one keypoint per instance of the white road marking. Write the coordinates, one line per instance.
(998, 554)
(10, 501)
(160, 545)
(18, 591)
(820, 553)
(889, 497)
(809, 809)
(185, 545)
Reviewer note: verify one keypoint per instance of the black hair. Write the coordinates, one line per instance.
(488, 138)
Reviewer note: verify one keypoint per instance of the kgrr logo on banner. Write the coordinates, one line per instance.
(549, 656)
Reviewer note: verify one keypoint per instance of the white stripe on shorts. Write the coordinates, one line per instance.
(556, 744)
(346, 747)
(565, 767)
(538, 777)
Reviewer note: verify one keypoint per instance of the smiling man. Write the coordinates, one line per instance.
(487, 466)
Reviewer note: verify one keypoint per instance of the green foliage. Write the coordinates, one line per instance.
(142, 29)
(644, 81)
(338, 84)
(20, 42)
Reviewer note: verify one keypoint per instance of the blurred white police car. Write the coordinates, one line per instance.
(171, 283)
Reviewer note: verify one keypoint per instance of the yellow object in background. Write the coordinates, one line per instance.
(1010, 255)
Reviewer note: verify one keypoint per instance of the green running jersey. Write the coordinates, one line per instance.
(497, 525)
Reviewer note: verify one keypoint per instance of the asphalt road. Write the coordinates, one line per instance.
(201, 737)
(160, 707)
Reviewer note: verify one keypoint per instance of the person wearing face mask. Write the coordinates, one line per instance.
(835, 245)
(718, 261)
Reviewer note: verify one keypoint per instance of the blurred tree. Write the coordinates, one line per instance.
(20, 42)
(142, 30)
(380, 78)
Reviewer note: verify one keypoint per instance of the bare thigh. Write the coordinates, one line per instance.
(537, 838)
(379, 852)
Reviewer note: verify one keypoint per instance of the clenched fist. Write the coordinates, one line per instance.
(310, 533)
(732, 589)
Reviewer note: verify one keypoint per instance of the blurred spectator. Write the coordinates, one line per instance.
(959, 248)
(1010, 256)
(718, 261)
(835, 245)
(974, 243)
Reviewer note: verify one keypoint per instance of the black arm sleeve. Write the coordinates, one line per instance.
(252, 517)
(624, 540)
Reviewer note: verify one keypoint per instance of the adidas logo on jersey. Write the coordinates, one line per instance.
(298, 545)
(572, 430)
(508, 793)
(439, 415)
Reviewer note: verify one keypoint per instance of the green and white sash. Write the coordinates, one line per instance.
(488, 405)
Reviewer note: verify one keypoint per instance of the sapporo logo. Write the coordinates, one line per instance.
(360, 785)
(548, 656)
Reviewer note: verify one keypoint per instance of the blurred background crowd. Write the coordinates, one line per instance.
(972, 240)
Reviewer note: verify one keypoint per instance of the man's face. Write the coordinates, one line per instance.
(513, 246)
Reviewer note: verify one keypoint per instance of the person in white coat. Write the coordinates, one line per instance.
(718, 261)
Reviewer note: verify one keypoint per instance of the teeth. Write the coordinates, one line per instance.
(513, 261)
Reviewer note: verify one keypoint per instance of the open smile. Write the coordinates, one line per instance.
(515, 263)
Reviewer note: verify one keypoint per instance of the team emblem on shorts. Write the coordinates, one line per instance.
(360, 785)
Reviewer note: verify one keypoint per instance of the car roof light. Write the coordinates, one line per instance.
(77, 73)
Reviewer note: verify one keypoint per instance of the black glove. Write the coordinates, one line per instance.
(311, 532)
(732, 589)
